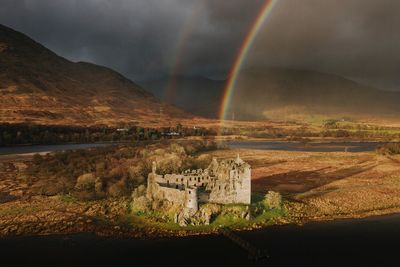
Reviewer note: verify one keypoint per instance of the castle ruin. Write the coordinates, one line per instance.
(224, 182)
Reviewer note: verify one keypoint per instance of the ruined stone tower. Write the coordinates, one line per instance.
(191, 199)
(224, 182)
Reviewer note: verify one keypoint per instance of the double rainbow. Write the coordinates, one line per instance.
(229, 89)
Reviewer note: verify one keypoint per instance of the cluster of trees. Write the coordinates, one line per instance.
(15, 134)
(111, 171)
(331, 129)
(340, 125)
(360, 134)
(272, 132)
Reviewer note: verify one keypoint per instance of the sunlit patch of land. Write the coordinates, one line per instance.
(46, 194)
(324, 186)
(95, 190)
(311, 129)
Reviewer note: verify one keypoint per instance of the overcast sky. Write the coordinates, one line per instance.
(142, 39)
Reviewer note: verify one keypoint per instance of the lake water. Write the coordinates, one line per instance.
(365, 242)
(11, 150)
(264, 145)
(309, 147)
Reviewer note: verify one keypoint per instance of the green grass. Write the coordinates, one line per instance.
(230, 221)
(23, 210)
(315, 120)
(68, 198)
(228, 217)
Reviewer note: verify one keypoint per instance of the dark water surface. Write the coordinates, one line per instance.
(264, 145)
(11, 150)
(309, 147)
(366, 242)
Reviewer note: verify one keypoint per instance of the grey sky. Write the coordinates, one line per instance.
(359, 39)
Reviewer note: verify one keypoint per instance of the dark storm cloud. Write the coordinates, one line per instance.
(354, 38)
(133, 37)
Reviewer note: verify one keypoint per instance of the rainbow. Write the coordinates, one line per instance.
(244, 49)
(184, 35)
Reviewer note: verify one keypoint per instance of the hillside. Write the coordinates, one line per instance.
(281, 94)
(197, 95)
(38, 86)
(276, 93)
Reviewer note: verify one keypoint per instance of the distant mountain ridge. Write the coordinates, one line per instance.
(278, 94)
(197, 95)
(38, 86)
(273, 92)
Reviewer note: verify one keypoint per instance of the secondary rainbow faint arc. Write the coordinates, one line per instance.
(229, 89)
(187, 29)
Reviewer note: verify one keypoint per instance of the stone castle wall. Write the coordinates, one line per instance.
(226, 182)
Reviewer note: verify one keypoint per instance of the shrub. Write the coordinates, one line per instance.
(203, 161)
(139, 192)
(273, 200)
(85, 182)
(138, 173)
(119, 172)
(117, 189)
(140, 205)
(111, 171)
(178, 149)
(100, 167)
(37, 159)
(331, 124)
(99, 187)
(190, 149)
(169, 163)
(160, 152)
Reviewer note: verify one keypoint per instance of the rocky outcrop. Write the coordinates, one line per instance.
(203, 216)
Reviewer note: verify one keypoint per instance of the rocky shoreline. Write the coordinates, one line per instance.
(104, 219)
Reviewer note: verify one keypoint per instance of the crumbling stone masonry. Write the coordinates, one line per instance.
(224, 182)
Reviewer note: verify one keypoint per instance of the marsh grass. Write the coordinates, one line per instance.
(389, 149)
(21, 210)
(67, 198)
